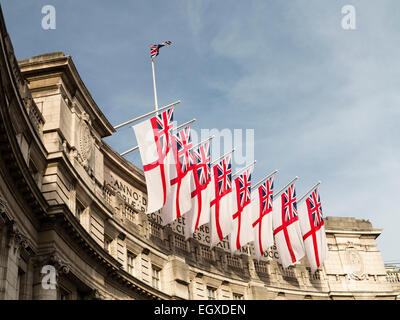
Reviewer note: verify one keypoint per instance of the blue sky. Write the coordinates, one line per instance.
(323, 101)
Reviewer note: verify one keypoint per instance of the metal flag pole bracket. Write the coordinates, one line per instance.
(173, 129)
(277, 194)
(222, 157)
(309, 191)
(146, 115)
(262, 180)
(243, 169)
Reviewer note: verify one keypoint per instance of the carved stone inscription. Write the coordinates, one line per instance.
(131, 195)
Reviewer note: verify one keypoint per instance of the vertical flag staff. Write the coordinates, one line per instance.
(154, 51)
(155, 88)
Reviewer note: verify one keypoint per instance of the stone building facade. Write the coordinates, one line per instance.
(72, 221)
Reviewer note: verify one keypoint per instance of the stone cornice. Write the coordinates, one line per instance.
(57, 61)
(20, 177)
(375, 233)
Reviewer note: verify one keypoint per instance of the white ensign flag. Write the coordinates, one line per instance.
(261, 207)
(288, 237)
(154, 141)
(242, 231)
(221, 201)
(313, 230)
(179, 198)
(201, 186)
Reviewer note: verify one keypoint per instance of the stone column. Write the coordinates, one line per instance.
(11, 243)
(47, 271)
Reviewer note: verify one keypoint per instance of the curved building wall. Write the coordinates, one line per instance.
(72, 206)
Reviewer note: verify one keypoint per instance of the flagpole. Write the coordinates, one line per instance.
(147, 114)
(209, 138)
(243, 169)
(275, 195)
(177, 128)
(222, 157)
(184, 124)
(316, 185)
(154, 86)
(262, 180)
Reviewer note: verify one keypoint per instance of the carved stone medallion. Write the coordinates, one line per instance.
(85, 142)
(354, 263)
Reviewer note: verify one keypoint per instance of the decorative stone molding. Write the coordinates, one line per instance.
(354, 265)
(15, 238)
(85, 142)
(54, 260)
(61, 266)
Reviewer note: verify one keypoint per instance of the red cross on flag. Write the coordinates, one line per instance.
(242, 232)
(201, 186)
(179, 198)
(313, 230)
(261, 206)
(154, 141)
(287, 232)
(221, 201)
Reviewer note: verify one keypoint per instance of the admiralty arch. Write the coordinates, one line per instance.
(71, 205)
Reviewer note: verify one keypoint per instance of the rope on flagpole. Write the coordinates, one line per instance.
(243, 169)
(277, 194)
(147, 114)
(262, 180)
(177, 128)
(316, 185)
(222, 157)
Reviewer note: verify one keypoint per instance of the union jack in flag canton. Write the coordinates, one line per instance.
(183, 143)
(221, 201)
(155, 49)
(201, 190)
(179, 199)
(154, 141)
(287, 232)
(242, 217)
(313, 230)
(262, 216)
(162, 125)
